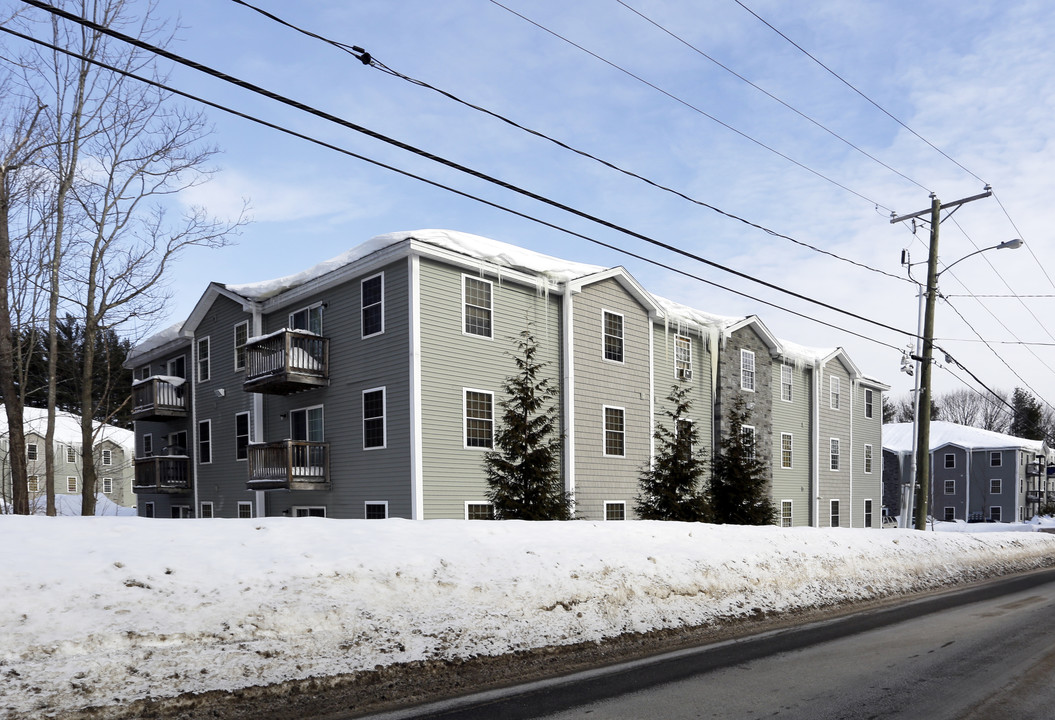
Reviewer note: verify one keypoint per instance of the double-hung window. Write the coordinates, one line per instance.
(834, 447)
(868, 458)
(834, 392)
(786, 450)
(996, 486)
(372, 292)
(868, 403)
(477, 306)
(241, 436)
(203, 359)
(479, 419)
(747, 438)
(950, 487)
(71, 484)
(834, 514)
(613, 336)
(374, 418)
(747, 370)
(71, 455)
(108, 486)
(682, 358)
(996, 459)
(950, 460)
(785, 513)
(31, 451)
(241, 337)
(785, 382)
(108, 457)
(205, 442)
(614, 431)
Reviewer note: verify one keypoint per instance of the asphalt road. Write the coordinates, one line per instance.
(986, 652)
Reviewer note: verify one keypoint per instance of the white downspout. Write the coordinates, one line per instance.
(853, 395)
(258, 407)
(568, 393)
(192, 435)
(818, 371)
(417, 479)
(652, 389)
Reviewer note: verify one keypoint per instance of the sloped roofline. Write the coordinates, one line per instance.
(628, 283)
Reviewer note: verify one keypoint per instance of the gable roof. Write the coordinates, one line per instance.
(68, 428)
(897, 437)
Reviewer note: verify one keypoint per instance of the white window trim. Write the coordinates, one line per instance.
(868, 459)
(382, 304)
(999, 510)
(488, 503)
(869, 403)
(203, 376)
(622, 337)
(197, 440)
(142, 372)
(791, 514)
(750, 430)
(791, 451)
(293, 510)
(172, 361)
(946, 459)
(836, 445)
(376, 502)
(604, 430)
(32, 452)
(867, 508)
(307, 309)
(621, 503)
(686, 341)
(234, 335)
(384, 418)
(249, 435)
(1000, 485)
(946, 513)
(945, 487)
(744, 355)
(71, 455)
(305, 410)
(242, 504)
(837, 506)
(106, 456)
(75, 484)
(835, 392)
(491, 309)
(465, 419)
(148, 444)
(998, 456)
(788, 371)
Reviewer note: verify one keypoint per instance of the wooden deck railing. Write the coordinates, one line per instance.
(157, 396)
(162, 474)
(289, 464)
(287, 361)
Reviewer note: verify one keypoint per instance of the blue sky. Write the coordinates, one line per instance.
(972, 78)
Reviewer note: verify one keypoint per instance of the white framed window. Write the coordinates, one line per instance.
(308, 318)
(747, 436)
(868, 513)
(477, 307)
(787, 457)
(479, 511)
(747, 370)
(834, 448)
(479, 418)
(995, 513)
(242, 436)
(33, 483)
(374, 431)
(372, 302)
(950, 487)
(108, 456)
(241, 337)
(245, 509)
(148, 445)
(614, 431)
(306, 425)
(71, 484)
(205, 442)
(868, 403)
(375, 510)
(996, 459)
(31, 451)
(205, 510)
(996, 486)
(785, 513)
(177, 367)
(203, 359)
(309, 511)
(950, 460)
(950, 514)
(108, 486)
(868, 459)
(614, 510)
(180, 511)
(682, 357)
(177, 443)
(71, 455)
(142, 372)
(834, 392)
(786, 382)
(612, 334)
(833, 514)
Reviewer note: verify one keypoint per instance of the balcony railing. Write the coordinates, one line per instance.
(158, 397)
(286, 362)
(289, 465)
(165, 474)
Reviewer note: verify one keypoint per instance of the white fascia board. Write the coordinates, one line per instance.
(201, 308)
(759, 327)
(449, 257)
(851, 367)
(629, 283)
(184, 340)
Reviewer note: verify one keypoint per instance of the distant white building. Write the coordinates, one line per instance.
(114, 453)
(975, 474)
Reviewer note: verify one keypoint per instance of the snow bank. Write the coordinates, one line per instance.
(132, 608)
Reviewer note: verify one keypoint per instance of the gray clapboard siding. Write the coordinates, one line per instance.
(452, 361)
(868, 431)
(792, 417)
(699, 387)
(835, 423)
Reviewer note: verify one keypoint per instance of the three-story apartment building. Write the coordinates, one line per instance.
(368, 386)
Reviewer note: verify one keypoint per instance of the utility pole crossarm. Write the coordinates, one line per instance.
(943, 206)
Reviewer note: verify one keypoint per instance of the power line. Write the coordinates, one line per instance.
(371, 60)
(464, 194)
(692, 107)
(443, 161)
(850, 85)
(768, 94)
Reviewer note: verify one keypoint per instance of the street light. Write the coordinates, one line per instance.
(923, 357)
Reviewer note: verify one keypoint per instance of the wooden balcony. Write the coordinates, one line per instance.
(286, 362)
(163, 474)
(158, 398)
(289, 465)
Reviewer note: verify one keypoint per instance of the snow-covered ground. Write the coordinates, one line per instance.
(100, 611)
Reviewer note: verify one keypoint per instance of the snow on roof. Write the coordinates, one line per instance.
(897, 437)
(803, 353)
(68, 428)
(676, 311)
(172, 332)
(474, 246)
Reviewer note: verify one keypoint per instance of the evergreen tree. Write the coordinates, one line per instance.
(523, 476)
(738, 476)
(671, 487)
(1027, 418)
